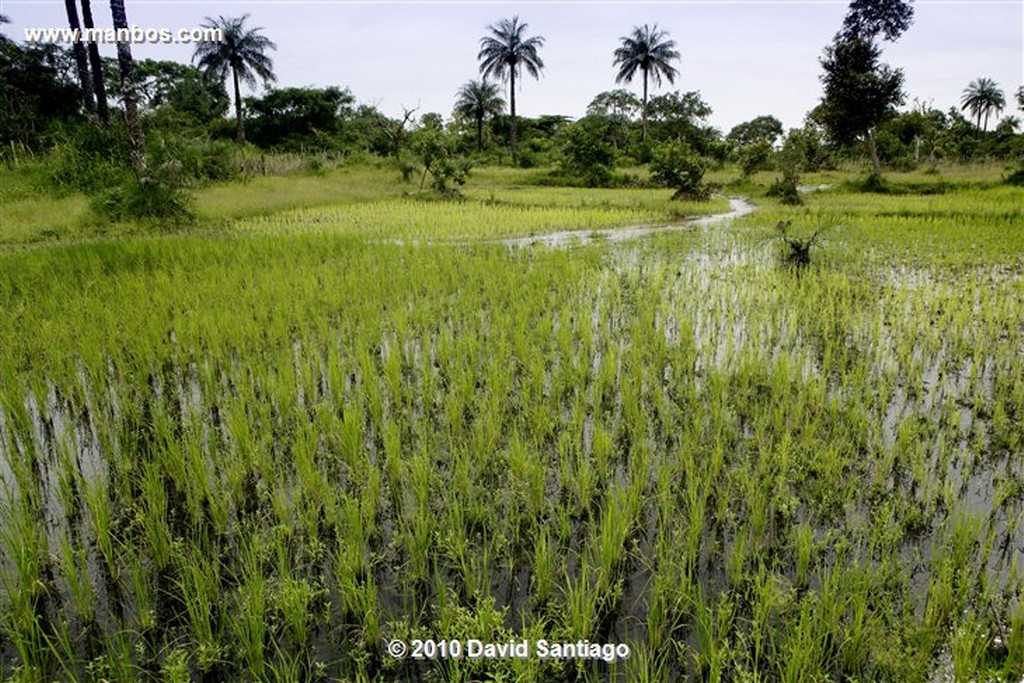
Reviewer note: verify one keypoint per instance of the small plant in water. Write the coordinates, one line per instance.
(798, 249)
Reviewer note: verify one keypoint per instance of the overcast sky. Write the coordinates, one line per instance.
(746, 57)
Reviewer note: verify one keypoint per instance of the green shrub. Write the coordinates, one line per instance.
(1016, 178)
(142, 200)
(787, 188)
(86, 159)
(676, 165)
(755, 157)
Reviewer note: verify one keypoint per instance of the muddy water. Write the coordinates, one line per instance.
(738, 207)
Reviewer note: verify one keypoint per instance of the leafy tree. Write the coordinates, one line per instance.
(981, 98)
(436, 150)
(617, 109)
(477, 100)
(678, 116)
(297, 118)
(755, 156)
(860, 91)
(805, 148)
(869, 19)
(586, 153)
(615, 104)
(1020, 98)
(504, 53)
(35, 92)
(167, 84)
(243, 52)
(675, 164)
(649, 51)
(761, 129)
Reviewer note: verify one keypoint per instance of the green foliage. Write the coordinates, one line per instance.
(982, 98)
(870, 19)
(586, 153)
(787, 187)
(755, 156)
(35, 92)
(679, 116)
(761, 129)
(86, 159)
(294, 119)
(677, 165)
(439, 158)
(860, 92)
(805, 149)
(153, 199)
(195, 159)
(1016, 177)
(797, 249)
(305, 426)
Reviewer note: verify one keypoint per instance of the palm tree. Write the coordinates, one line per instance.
(504, 53)
(982, 97)
(96, 64)
(477, 100)
(125, 63)
(242, 51)
(81, 60)
(648, 50)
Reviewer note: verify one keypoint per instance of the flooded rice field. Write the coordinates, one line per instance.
(273, 457)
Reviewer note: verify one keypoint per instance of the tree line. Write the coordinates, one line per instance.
(53, 92)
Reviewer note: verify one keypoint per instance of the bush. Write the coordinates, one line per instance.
(1016, 178)
(797, 251)
(198, 159)
(586, 154)
(138, 200)
(438, 158)
(676, 165)
(755, 157)
(86, 159)
(787, 188)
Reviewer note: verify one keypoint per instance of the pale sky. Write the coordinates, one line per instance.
(746, 57)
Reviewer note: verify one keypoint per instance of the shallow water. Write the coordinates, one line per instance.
(738, 207)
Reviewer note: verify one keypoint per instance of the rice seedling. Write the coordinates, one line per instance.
(228, 456)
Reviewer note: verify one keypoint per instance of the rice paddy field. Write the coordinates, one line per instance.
(329, 417)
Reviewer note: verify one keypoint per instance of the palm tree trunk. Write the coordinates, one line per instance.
(480, 133)
(239, 123)
(81, 60)
(876, 165)
(512, 102)
(99, 88)
(643, 113)
(136, 138)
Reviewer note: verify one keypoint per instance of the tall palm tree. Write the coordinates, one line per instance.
(96, 64)
(506, 51)
(477, 100)
(242, 51)
(982, 97)
(129, 86)
(81, 60)
(648, 50)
